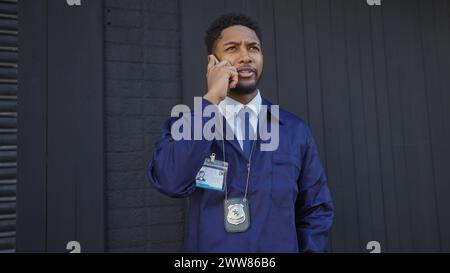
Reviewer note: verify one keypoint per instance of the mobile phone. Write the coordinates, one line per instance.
(217, 58)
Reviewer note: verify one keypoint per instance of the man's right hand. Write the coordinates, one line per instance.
(221, 76)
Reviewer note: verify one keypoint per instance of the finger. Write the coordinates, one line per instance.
(231, 68)
(211, 61)
(234, 78)
(222, 64)
(228, 63)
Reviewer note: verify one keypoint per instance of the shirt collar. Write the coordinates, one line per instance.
(254, 105)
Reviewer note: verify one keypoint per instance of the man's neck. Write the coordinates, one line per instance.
(244, 99)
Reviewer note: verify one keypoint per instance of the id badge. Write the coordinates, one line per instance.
(212, 174)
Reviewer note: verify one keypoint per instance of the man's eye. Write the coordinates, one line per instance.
(231, 48)
(254, 48)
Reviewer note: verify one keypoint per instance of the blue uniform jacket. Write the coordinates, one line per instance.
(290, 204)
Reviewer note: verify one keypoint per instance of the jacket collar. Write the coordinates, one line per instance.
(267, 103)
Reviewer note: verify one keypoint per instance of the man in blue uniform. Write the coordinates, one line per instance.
(243, 198)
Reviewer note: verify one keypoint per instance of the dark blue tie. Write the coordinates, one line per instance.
(247, 132)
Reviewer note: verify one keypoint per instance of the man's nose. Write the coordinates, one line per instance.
(245, 57)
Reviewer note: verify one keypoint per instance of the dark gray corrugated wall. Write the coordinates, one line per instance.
(373, 82)
(8, 124)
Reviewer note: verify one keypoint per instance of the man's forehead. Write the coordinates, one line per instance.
(238, 34)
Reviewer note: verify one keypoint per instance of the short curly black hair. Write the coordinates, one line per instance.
(227, 20)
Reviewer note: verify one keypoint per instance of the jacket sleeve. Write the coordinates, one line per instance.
(174, 163)
(314, 207)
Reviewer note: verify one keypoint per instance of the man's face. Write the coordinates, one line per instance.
(241, 47)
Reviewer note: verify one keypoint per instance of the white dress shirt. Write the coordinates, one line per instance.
(230, 108)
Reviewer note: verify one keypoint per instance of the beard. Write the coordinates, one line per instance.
(245, 89)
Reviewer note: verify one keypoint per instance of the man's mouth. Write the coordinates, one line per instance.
(246, 72)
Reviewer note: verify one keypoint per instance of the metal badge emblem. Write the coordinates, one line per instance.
(236, 214)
